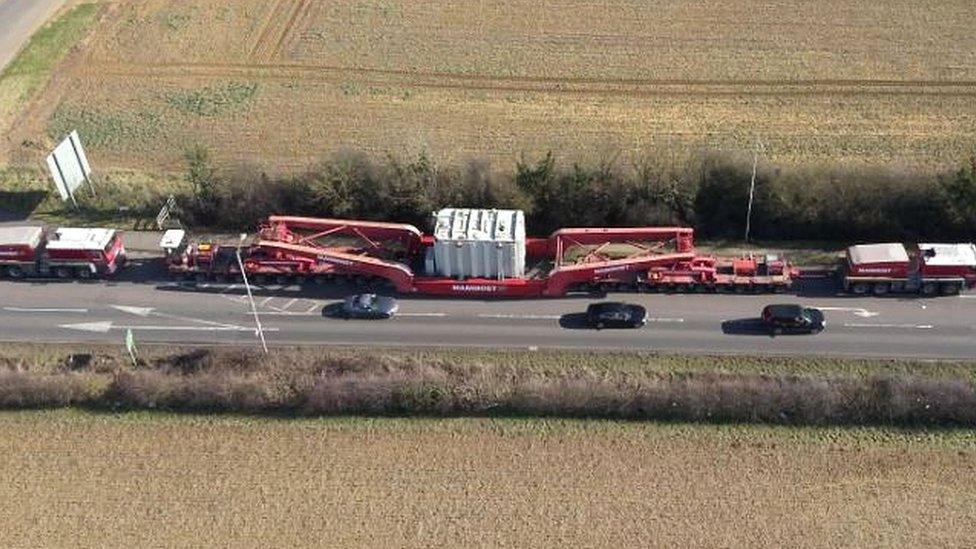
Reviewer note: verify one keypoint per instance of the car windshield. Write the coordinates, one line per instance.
(365, 301)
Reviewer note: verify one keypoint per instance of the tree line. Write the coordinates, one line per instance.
(708, 192)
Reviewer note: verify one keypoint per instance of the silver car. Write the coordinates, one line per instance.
(369, 306)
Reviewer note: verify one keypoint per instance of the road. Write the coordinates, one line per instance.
(18, 21)
(166, 312)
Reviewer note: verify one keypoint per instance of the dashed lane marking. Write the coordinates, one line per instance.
(42, 310)
(915, 326)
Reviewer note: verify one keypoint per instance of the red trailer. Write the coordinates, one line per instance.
(929, 269)
(27, 252)
(478, 253)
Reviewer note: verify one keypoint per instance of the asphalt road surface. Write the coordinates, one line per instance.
(18, 21)
(161, 311)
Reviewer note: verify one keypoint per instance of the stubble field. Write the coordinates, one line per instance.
(82, 479)
(281, 84)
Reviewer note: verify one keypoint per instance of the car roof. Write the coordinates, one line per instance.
(789, 310)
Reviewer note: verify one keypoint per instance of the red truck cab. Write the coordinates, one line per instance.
(61, 252)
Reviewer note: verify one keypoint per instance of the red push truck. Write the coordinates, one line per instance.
(32, 252)
(930, 269)
(478, 253)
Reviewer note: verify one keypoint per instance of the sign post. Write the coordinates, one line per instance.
(130, 345)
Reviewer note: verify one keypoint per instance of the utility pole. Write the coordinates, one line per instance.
(250, 296)
(752, 186)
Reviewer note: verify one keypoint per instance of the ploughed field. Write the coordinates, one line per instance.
(95, 479)
(279, 84)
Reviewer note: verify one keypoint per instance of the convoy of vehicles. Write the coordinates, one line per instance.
(481, 253)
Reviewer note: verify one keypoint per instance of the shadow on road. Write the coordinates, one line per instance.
(746, 327)
(574, 321)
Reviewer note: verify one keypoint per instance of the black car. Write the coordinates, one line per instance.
(793, 319)
(369, 306)
(615, 315)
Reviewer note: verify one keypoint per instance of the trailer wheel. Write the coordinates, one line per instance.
(63, 272)
(200, 277)
(950, 288)
(930, 288)
(860, 288)
(283, 279)
(779, 288)
(881, 288)
(14, 271)
(84, 273)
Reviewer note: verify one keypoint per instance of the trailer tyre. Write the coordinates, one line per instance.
(950, 288)
(881, 288)
(860, 288)
(63, 272)
(84, 273)
(930, 288)
(15, 271)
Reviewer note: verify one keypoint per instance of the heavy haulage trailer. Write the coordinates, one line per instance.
(477, 253)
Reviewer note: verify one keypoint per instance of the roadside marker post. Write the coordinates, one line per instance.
(130, 345)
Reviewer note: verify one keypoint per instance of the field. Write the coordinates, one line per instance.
(280, 85)
(80, 479)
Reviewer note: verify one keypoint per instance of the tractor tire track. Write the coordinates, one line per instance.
(264, 36)
(542, 84)
(302, 8)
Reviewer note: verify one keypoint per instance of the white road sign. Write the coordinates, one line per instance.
(69, 166)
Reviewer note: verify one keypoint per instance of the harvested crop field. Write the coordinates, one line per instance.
(282, 84)
(80, 479)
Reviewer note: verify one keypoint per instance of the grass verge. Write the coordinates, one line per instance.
(32, 68)
(633, 386)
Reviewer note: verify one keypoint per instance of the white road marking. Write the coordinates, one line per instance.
(265, 301)
(146, 311)
(140, 311)
(422, 314)
(916, 326)
(288, 304)
(665, 320)
(522, 317)
(107, 325)
(858, 311)
(29, 310)
(313, 308)
(967, 297)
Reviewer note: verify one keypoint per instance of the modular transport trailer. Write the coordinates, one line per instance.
(478, 253)
(930, 269)
(33, 252)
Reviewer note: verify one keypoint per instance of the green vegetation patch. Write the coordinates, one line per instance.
(105, 129)
(212, 101)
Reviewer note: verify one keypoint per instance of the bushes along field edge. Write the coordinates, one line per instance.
(708, 191)
(377, 384)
